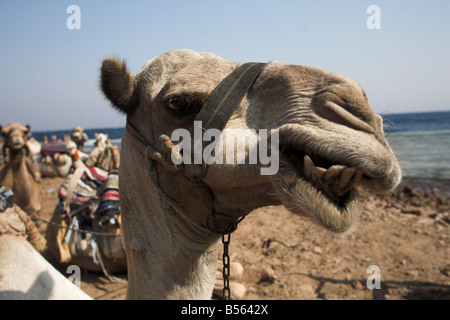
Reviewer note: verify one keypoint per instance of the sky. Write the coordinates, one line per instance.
(49, 73)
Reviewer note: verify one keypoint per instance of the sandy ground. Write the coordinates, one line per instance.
(405, 235)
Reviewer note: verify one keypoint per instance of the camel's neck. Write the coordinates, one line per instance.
(156, 268)
(23, 180)
(17, 155)
(17, 165)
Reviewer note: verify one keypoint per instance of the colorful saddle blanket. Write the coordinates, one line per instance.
(96, 194)
(53, 148)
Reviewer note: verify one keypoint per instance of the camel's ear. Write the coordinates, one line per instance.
(28, 132)
(119, 85)
(5, 130)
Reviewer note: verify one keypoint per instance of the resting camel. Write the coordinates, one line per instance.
(330, 145)
(104, 155)
(79, 137)
(24, 273)
(20, 173)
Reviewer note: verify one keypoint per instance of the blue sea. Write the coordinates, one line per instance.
(421, 142)
(114, 134)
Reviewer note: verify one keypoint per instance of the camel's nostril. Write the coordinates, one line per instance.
(338, 114)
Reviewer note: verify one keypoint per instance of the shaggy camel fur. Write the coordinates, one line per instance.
(330, 143)
(24, 273)
(20, 173)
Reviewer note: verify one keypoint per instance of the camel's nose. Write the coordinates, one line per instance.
(16, 137)
(334, 106)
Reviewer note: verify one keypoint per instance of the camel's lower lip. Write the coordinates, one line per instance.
(316, 188)
(335, 181)
(17, 145)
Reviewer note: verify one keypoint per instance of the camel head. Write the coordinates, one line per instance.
(22, 176)
(15, 135)
(101, 140)
(323, 139)
(330, 141)
(78, 135)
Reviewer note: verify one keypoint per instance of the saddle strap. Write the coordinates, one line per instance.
(80, 167)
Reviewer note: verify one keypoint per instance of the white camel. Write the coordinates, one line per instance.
(104, 155)
(24, 273)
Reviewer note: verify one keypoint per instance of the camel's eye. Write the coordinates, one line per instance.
(184, 104)
(178, 105)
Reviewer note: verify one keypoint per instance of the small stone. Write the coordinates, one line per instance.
(307, 290)
(426, 221)
(412, 273)
(268, 276)
(357, 285)
(412, 210)
(317, 250)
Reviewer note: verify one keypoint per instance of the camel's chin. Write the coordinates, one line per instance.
(301, 195)
(16, 146)
(302, 198)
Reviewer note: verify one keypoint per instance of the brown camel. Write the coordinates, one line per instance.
(20, 172)
(330, 144)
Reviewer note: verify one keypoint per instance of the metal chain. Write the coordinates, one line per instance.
(226, 238)
(226, 292)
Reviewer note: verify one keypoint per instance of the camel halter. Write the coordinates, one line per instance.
(222, 103)
(216, 113)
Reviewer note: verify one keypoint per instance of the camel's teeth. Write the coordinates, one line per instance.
(349, 178)
(345, 181)
(334, 173)
(357, 177)
(337, 179)
(318, 173)
(308, 167)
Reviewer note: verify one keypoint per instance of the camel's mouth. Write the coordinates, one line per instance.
(337, 182)
(324, 187)
(318, 188)
(16, 145)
